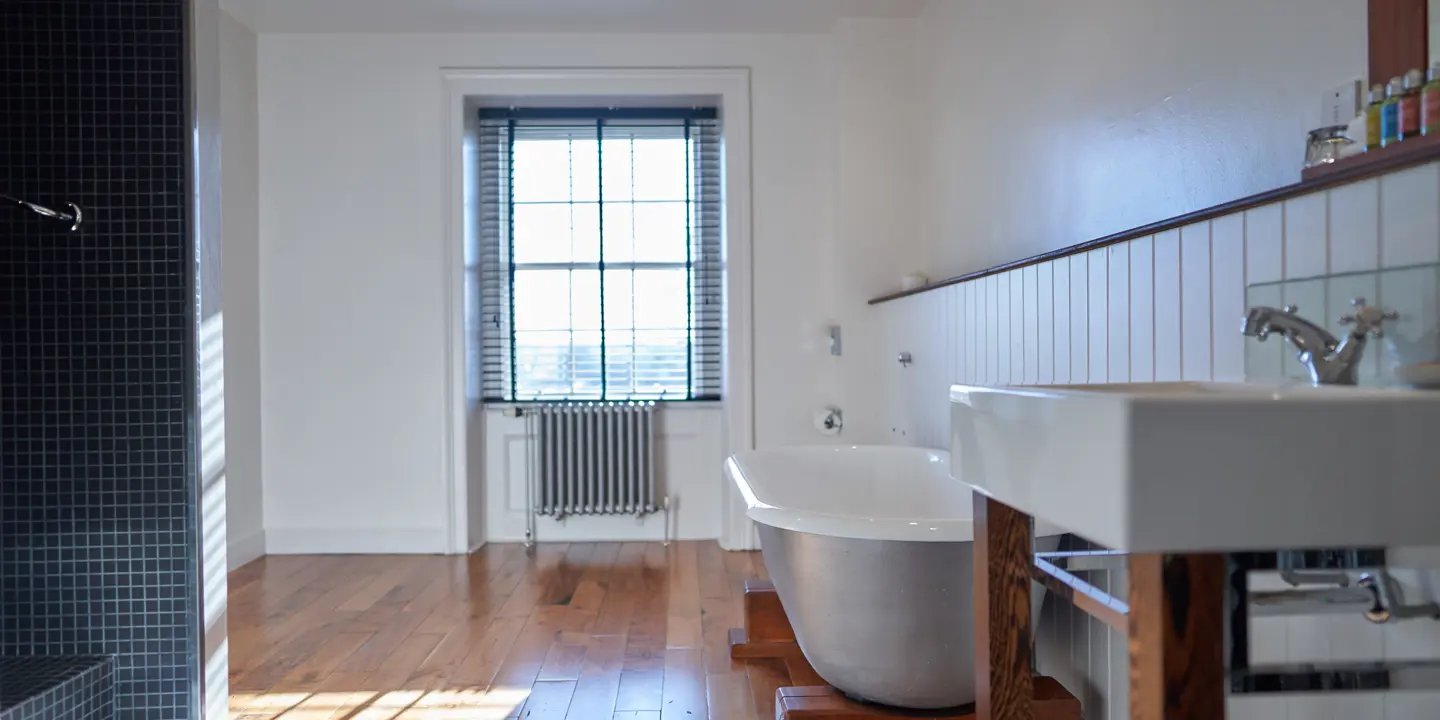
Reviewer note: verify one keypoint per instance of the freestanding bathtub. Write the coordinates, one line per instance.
(870, 549)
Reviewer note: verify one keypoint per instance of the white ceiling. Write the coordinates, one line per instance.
(559, 15)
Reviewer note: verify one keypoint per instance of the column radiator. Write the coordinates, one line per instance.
(593, 459)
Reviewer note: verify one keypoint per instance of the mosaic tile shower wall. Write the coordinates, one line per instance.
(97, 493)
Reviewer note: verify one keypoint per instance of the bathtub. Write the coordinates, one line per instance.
(870, 549)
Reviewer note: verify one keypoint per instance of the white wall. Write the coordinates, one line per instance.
(351, 197)
(239, 143)
(1055, 123)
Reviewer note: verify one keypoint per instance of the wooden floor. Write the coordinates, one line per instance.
(585, 631)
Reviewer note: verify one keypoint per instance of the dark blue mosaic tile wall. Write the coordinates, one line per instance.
(97, 493)
(57, 688)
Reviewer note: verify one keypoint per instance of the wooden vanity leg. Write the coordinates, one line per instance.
(1177, 637)
(1004, 684)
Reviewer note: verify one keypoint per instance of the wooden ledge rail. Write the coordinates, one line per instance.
(1350, 170)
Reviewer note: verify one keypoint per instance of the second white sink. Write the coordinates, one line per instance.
(1171, 467)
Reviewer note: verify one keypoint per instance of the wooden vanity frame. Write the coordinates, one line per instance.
(1175, 621)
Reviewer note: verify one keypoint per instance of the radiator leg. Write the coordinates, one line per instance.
(532, 456)
(665, 505)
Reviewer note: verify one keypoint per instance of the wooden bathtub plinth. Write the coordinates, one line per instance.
(768, 634)
(1051, 702)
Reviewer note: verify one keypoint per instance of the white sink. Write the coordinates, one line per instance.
(1208, 467)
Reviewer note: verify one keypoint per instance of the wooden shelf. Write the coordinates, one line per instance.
(1379, 159)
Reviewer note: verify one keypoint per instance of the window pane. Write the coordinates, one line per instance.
(660, 169)
(585, 170)
(542, 364)
(542, 233)
(619, 299)
(617, 171)
(585, 358)
(585, 229)
(585, 300)
(648, 364)
(619, 232)
(660, 232)
(660, 301)
(542, 171)
(542, 300)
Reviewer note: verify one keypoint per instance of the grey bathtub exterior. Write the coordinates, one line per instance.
(886, 621)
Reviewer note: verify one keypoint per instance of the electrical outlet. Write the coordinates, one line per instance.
(1342, 103)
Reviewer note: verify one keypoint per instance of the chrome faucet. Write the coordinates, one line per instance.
(1330, 361)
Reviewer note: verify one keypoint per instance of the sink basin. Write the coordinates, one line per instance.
(1185, 467)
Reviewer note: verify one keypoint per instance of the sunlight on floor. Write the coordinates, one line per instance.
(496, 704)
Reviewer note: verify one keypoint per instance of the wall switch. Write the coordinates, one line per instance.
(1342, 103)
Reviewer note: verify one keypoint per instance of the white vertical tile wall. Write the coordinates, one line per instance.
(1196, 323)
(1307, 252)
(1227, 274)
(1119, 309)
(1031, 345)
(1169, 306)
(1099, 266)
(1063, 354)
(1045, 294)
(1142, 310)
(1079, 319)
(1006, 326)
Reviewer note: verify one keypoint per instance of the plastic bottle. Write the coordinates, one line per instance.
(1430, 103)
(1372, 116)
(1390, 113)
(1410, 105)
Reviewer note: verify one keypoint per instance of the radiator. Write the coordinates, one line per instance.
(593, 459)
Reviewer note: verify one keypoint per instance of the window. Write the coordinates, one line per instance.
(599, 266)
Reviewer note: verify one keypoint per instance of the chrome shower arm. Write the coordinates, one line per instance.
(74, 217)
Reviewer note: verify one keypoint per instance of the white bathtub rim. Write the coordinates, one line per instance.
(856, 527)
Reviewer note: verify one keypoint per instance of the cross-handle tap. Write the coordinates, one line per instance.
(1368, 320)
(1331, 361)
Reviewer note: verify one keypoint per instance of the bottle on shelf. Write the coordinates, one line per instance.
(1410, 105)
(1430, 103)
(1390, 113)
(1372, 116)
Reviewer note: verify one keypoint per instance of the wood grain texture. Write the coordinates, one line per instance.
(1003, 680)
(582, 631)
(1051, 702)
(765, 619)
(1399, 32)
(1177, 637)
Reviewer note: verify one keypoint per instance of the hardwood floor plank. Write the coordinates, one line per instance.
(583, 631)
(684, 685)
(718, 616)
(564, 661)
(640, 690)
(549, 700)
(645, 645)
(728, 697)
(714, 579)
(682, 622)
(599, 683)
(766, 676)
(522, 664)
(478, 668)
